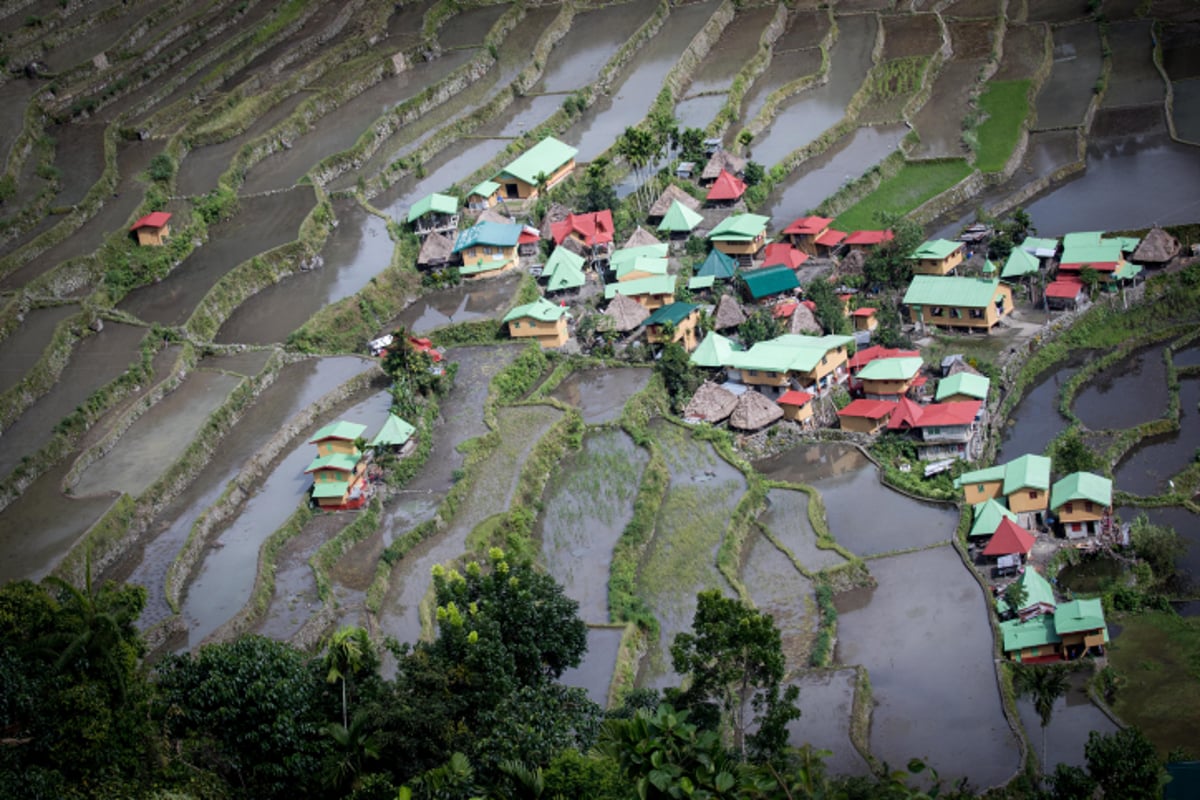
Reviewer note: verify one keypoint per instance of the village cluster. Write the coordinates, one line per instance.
(795, 375)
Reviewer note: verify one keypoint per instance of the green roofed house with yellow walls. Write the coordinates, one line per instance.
(338, 470)
(563, 271)
(543, 166)
(740, 236)
(962, 386)
(434, 213)
(937, 257)
(484, 196)
(975, 304)
(541, 320)
(488, 248)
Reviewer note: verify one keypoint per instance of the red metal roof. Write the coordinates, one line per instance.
(781, 310)
(595, 228)
(868, 237)
(529, 235)
(726, 187)
(155, 219)
(871, 409)
(910, 414)
(783, 253)
(1099, 266)
(1066, 289)
(863, 312)
(830, 238)
(867, 355)
(1009, 538)
(794, 397)
(810, 305)
(808, 226)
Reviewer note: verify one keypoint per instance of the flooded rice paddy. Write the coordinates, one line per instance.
(1035, 420)
(467, 302)
(1130, 392)
(777, 587)
(1065, 95)
(786, 519)
(826, 701)
(1073, 719)
(601, 394)
(595, 672)
(24, 347)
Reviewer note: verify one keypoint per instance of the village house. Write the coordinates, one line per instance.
(1020, 264)
(650, 293)
(484, 196)
(714, 351)
(864, 319)
(540, 320)
(1042, 249)
(864, 241)
(338, 470)
(1009, 540)
(667, 200)
(434, 213)
(549, 160)
(982, 484)
(1027, 486)
(396, 435)
(1081, 503)
(868, 354)
(645, 261)
(679, 222)
(866, 416)
(725, 191)
(152, 230)
(1065, 293)
(937, 257)
(436, 251)
(813, 236)
(722, 161)
(1031, 642)
(622, 315)
(718, 265)
(1075, 629)
(955, 302)
(769, 281)
(889, 378)
(488, 248)
(753, 412)
(814, 364)
(1156, 249)
(783, 254)
(987, 517)
(798, 407)
(962, 386)
(593, 232)
(681, 319)
(563, 271)
(740, 236)
(710, 403)
(943, 430)
(1039, 597)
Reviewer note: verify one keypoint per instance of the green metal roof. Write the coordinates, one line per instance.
(499, 234)
(986, 475)
(1037, 632)
(325, 489)
(1106, 252)
(679, 219)
(485, 189)
(341, 429)
(1032, 244)
(1081, 486)
(788, 352)
(435, 203)
(1027, 472)
(1127, 243)
(1082, 238)
(935, 248)
(891, 369)
(650, 264)
(1037, 592)
(342, 462)
(394, 432)
(714, 351)
(673, 313)
(563, 270)
(987, 518)
(627, 254)
(702, 282)
(948, 290)
(718, 265)
(1080, 615)
(655, 284)
(540, 309)
(967, 383)
(1019, 264)
(1127, 271)
(770, 280)
(545, 157)
(739, 228)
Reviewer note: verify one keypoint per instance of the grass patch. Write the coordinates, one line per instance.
(1006, 104)
(915, 183)
(1157, 661)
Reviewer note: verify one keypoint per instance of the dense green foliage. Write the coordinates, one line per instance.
(1006, 104)
(915, 183)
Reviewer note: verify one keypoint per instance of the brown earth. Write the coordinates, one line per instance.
(1057, 10)
(910, 35)
(1024, 49)
(973, 8)
(971, 40)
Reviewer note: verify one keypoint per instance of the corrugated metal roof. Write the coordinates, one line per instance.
(540, 309)
(739, 227)
(545, 157)
(770, 280)
(435, 203)
(948, 290)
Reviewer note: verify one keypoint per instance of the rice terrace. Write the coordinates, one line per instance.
(607, 399)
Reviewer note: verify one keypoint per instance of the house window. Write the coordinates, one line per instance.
(1069, 508)
(1088, 506)
(824, 360)
(937, 311)
(956, 313)
(980, 488)
(1033, 495)
(976, 313)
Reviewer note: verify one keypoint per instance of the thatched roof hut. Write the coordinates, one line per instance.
(711, 403)
(555, 214)
(575, 246)
(435, 251)
(722, 160)
(852, 264)
(626, 313)
(729, 313)
(640, 238)
(754, 412)
(803, 320)
(669, 196)
(1158, 247)
(961, 365)
(492, 215)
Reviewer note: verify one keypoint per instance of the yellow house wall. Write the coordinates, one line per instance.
(1034, 652)
(741, 248)
(862, 424)
(833, 360)
(477, 200)
(1079, 512)
(865, 323)
(331, 446)
(798, 413)
(153, 237)
(653, 301)
(885, 387)
(930, 266)
(506, 259)
(685, 332)
(990, 317)
(527, 190)
(958, 398)
(548, 334)
(1020, 501)
(755, 377)
(805, 243)
(991, 490)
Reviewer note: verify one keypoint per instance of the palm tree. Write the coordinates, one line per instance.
(354, 745)
(348, 652)
(1044, 685)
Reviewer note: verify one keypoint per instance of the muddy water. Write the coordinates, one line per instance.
(802, 118)
(1073, 720)
(339, 130)
(14, 95)
(469, 27)
(448, 167)
(467, 302)
(594, 674)
(96, 360)
(681, 559)
(1035, 421)
(79, 158)
(796, 53)
(777, 588)
(1067, 92)
(132, 158)
(818, 178)
(1189, 357)
(226, 575)
(296, 387)
(1187, 110)
(260, 224)
(295, 598)
(1130, 392)
(1148, 467)
(697, 112)
(357, 249)
(149, 447)
(786, 517)
(92, 39)
(826, 702)
(490, 494)
(929, 648)
(810, 463)
(24, 347)
(1134, 79)
(200, 168)
(738, 42)
(630, 99)
(594, 37)
(587, 505)
(939, 122)
(601, 394)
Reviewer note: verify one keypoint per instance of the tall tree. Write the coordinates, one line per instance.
(1125, 764)
(1044, 685)
(759, 326)
(638, 147)
(1016, 595)
(350, 651)
(734, 658)
(829, 308)
(887, 265)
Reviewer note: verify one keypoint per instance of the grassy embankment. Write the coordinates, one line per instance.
(915, 183)
(1006, 104)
